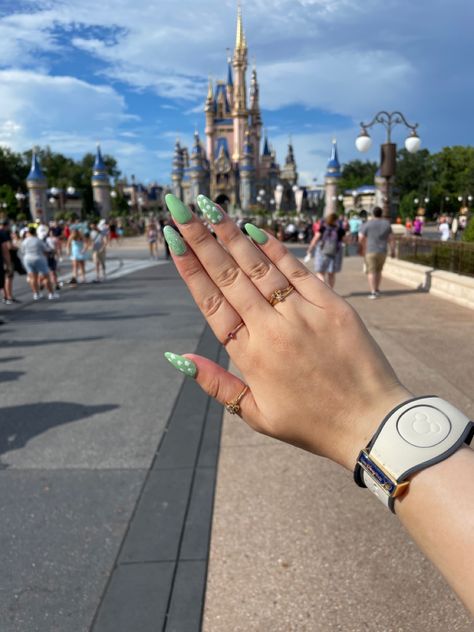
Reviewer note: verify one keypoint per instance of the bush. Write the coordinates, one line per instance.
(468, 234)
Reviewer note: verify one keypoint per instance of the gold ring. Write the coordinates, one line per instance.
(233, 407)
(279, 295)
(231, 335)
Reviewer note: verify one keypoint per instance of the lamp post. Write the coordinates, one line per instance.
(20, 198)
(388, 154)
(278, 195)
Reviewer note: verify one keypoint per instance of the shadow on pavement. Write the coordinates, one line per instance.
(19, 424)
(60, 315)
(37, 343)
(11, 358)
(385, 293)
(10, 376)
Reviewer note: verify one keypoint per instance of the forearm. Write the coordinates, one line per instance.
(438, 512)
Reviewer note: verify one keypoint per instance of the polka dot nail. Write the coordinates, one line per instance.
(186, 366)
(211, 211)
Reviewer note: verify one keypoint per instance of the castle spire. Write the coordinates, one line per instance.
(240, 43)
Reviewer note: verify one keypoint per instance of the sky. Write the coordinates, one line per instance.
(132, 74)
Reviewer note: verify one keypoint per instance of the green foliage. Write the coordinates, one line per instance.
(13, 169)
(7, 196)
(468, 234)
(407, 206)
(356, 173)
(414, 172)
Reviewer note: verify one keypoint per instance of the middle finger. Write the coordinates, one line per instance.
(219, 264)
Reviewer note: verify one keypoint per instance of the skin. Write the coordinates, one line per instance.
(231, 283)
(328, 277)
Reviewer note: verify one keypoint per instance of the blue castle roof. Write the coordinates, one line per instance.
(35, 175)
(333, 168)
(99, 170)
(266, 148)
(230, 81)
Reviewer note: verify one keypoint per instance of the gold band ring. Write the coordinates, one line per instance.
(279, 295)
(231, 335)
(233, 407)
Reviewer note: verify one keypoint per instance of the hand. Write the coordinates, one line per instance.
(316, 377)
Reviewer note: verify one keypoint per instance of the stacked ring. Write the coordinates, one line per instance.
(279, 295)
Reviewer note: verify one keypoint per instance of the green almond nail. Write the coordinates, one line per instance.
(178, 210)
(256, 234)
(186, 366)
(211, 211)
(174, 241)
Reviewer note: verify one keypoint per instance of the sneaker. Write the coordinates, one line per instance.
(372, 295)
(53, 297)
(377, 293)
(7, 301)
(72, 281)
(37, 296)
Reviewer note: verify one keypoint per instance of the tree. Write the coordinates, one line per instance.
(356, 173)
(414, 172)
(13, 169)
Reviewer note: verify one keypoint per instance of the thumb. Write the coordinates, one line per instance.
(218, 383)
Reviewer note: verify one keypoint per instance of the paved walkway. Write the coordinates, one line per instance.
(296, 546)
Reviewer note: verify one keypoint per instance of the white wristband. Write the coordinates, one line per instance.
(414, 435)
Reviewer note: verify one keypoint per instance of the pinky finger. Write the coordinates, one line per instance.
(218, 383)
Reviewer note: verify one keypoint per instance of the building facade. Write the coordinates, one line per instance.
(231, 166)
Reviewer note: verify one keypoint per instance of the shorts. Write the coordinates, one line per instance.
(99, 257)
(2, 276)
(52, 264)
(325, 263)
(36, 266)
(374, 262)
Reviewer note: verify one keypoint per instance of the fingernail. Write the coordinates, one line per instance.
(174, 241)
(178, 210)
(210, 210)
(257, 235)
(186, 366)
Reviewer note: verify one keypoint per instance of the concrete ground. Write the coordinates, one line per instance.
(296, 546)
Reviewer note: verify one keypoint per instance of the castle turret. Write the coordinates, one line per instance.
(247, 173)
(255, 117)
(209, 110)
(178, 169)
(37, 185)
(230, 83)
(239, 106)
(101, 185)
(198, 171)
(289, 171)
(331, 180)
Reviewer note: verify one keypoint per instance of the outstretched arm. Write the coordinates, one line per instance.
(291, 336)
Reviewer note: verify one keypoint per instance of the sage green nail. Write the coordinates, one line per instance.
(178, 210)
(186, 366)
(210, 210)
(256, 234)
(174, 241)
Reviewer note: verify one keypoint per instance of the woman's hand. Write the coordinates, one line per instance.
(316, 377)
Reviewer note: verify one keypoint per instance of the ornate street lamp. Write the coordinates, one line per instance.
(388, 149)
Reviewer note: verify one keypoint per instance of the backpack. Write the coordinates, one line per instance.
(330, 242)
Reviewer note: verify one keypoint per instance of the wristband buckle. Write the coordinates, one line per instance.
(381, 477)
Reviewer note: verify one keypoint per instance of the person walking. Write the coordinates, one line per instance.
(99, 248)
(444, 229)
(34, 253)
(329, 249)
(76, 247)
(152, 238)
(375, 236)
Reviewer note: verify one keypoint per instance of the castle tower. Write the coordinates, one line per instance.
(255, 117)
(247, 173)
(198, 171)
(37, 185)
(177, 173)
(239, 106)
(289, 171)
(331, 180)
(101, 185)
(209, 110)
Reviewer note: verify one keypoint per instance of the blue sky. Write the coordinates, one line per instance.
(133, 75)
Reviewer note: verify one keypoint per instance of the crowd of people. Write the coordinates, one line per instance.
(36, 249)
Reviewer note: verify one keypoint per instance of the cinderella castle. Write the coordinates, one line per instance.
(231, 168)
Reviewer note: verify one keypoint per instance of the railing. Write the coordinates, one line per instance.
(453, 256)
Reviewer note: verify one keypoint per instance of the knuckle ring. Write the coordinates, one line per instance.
(279, 295)
(233, 407)
(232, 334)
